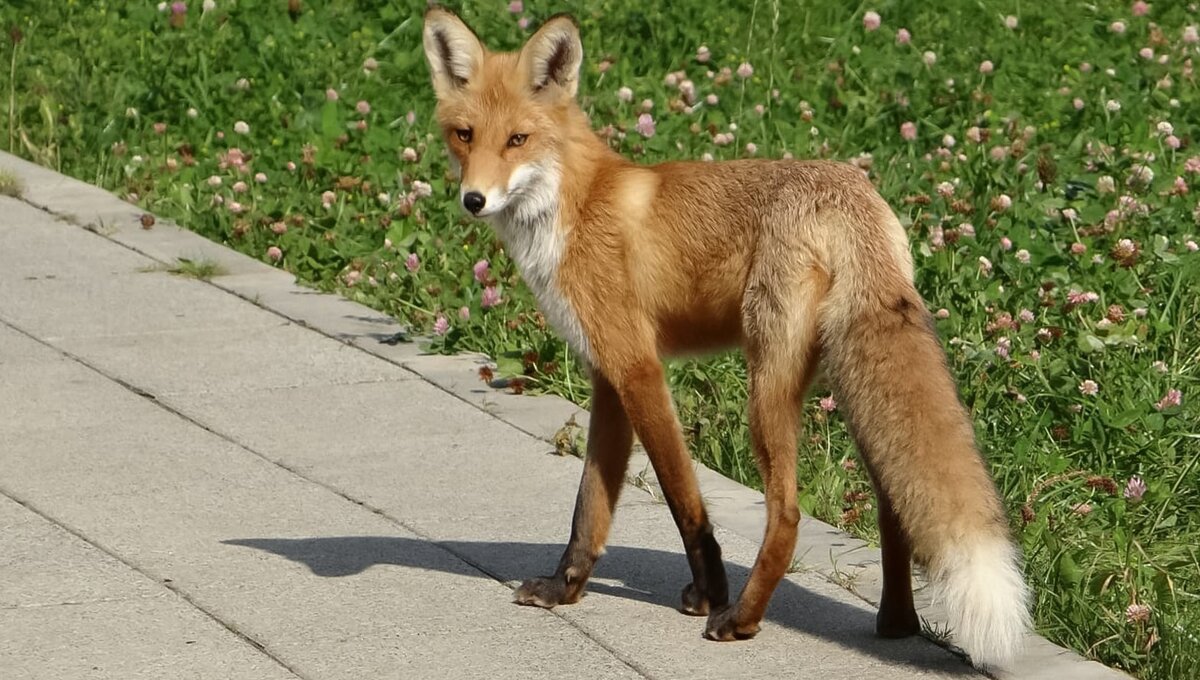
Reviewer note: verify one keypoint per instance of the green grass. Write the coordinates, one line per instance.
(94, 79)
(203, 269)
(10, 184)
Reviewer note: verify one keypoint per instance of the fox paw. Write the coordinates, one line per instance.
(695, 603)
(723, 626)
(546, 592)
(897, 623)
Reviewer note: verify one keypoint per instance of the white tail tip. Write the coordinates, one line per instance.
(981, 586)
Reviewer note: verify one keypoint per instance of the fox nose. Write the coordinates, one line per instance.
(473, 201)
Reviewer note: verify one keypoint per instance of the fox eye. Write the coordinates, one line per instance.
(464, 135)
(517, 140)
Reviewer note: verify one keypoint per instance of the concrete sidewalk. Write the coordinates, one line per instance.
(236, 479)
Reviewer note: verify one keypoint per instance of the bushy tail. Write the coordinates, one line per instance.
(981, 586)
(893, 385)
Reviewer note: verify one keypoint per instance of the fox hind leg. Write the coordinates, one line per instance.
(782, 354)
(897, 616)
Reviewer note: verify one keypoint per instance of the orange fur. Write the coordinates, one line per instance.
(797, 263)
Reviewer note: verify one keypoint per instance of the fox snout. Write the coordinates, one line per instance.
(486, 183)
(474, 201)
(483, 202)
(528, 187)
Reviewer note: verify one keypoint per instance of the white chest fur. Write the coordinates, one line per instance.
(535, 240)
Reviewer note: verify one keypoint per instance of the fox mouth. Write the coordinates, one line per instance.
(493, 202)
(531, 193)
(525, 192)
(494, 207)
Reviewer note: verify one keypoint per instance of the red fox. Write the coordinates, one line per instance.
(798, 263)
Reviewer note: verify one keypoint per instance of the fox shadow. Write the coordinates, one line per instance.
(647, 575)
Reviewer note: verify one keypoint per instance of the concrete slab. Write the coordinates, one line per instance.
(126, 640)
(181, 503)
(812, 623)
(59, 598)
(277, 355)
(403, 446)
(43, 565)
(37, 245)
(329, 314)
(122, 303)
(168, 242)
(459, 375)
(166, 333)
(82, 202)
(43, 389)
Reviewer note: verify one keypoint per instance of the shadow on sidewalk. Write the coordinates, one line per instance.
(647, 575)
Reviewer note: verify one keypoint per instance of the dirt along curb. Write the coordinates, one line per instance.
(821, 548)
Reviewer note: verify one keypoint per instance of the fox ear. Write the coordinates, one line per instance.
(453, 50)
(553, 55)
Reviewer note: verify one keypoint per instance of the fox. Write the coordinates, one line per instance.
(800, 264)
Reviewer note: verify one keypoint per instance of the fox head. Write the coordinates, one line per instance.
(504, 115)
